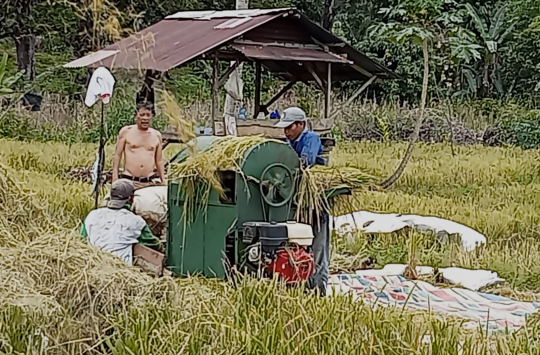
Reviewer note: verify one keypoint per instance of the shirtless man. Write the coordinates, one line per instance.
(141, 147)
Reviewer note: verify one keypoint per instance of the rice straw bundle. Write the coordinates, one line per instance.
(46, 270)
(319, 181)
(198, 174)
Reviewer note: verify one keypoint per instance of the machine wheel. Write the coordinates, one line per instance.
(278, 181)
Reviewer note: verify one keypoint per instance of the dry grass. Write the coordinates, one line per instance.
(184, 125)
(60, 296)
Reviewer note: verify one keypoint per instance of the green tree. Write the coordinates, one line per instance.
(7, 81)
(420, 14)
(520, 65)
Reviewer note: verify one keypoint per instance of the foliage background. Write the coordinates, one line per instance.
(484, 56)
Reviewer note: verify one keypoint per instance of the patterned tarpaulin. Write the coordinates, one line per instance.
(493, 312)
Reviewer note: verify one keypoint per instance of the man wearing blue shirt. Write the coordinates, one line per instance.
(308, 146)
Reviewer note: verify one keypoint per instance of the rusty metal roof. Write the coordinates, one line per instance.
(187, 36)
(170, 43)
(213, 14)
(300, 54)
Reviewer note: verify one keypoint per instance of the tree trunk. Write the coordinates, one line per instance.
(401, 168)
(328, 17)
(26, 49)
(25, 41)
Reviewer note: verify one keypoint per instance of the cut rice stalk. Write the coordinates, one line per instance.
(185, 127)
(319, 182)
(198, 174)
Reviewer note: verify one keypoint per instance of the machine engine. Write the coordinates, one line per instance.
(284, 249)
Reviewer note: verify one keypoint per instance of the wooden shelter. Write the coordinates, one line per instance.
(282, 41)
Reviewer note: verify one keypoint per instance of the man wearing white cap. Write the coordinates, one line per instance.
(115, 228)
(308, 146)
(305, 142)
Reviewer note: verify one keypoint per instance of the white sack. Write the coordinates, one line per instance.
(151, 204)
(470, 279)
(370, 222)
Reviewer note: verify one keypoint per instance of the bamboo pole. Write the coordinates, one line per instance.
(215, 95)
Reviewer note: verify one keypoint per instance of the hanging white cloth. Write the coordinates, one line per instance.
(100, 87)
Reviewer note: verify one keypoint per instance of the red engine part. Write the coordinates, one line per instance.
(293, 264)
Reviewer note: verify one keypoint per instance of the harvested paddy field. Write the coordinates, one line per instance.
(60, 296)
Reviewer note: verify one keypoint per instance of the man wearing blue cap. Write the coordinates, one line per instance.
(308, 146)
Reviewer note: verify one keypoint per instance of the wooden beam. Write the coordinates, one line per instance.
(315, 76)
(215, 92)
(228, 73)
(362, 70)
(328, 103)
(319, 43)
(278, 95)
(258, 73)
(353, 97)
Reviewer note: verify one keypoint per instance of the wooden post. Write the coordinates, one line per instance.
(147, 92)
(258, 72)
(328, 103)
(215, 97)
(234, 98)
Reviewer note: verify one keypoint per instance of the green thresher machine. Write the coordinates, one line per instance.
(252, 228)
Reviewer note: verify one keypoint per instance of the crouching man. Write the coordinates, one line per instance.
(115, 228)
(308, 146)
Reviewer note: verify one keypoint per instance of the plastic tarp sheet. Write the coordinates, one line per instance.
(491, 312)
(370, 222)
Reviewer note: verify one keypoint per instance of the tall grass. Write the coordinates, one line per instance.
(70, 121)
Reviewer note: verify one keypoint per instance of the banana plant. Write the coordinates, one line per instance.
(7, 81)
(492, 38)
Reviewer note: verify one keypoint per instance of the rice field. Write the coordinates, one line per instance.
(59, 296)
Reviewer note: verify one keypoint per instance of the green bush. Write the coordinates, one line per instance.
(522, 131)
